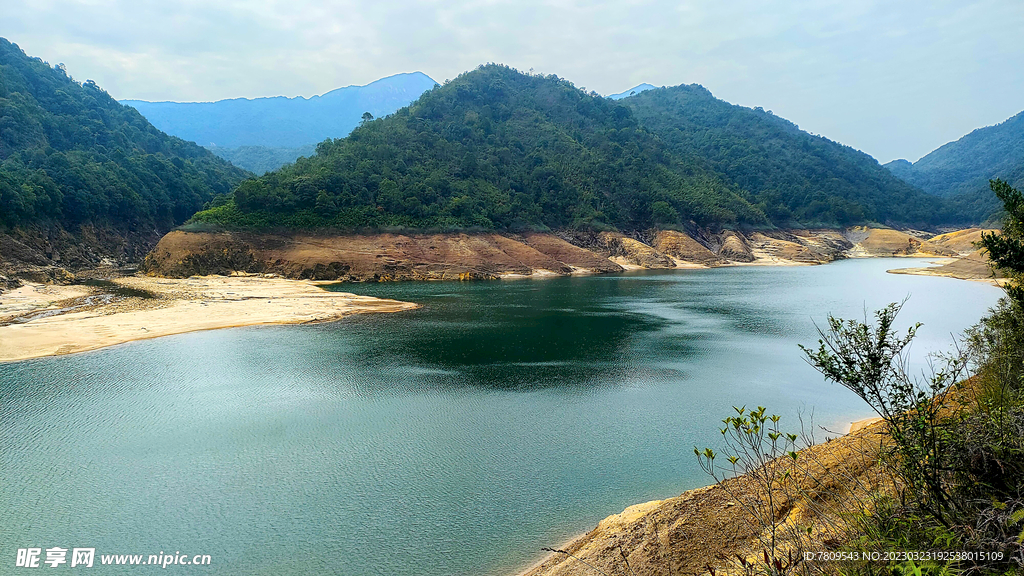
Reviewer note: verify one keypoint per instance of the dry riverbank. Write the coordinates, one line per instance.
(710, 526)
(967, 263)
(44, 320)
(460, 256)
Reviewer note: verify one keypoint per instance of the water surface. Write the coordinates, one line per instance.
(455, 439)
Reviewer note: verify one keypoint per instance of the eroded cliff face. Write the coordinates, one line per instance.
(885, 242)
(390, 257)
(51, 254)
(377, 257)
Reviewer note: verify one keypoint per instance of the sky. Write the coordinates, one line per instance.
(894, 78)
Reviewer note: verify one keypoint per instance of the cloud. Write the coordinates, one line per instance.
(895, 79)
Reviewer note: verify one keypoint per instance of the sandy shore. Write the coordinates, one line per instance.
(39, 320)
(967, 268)
(861, 424)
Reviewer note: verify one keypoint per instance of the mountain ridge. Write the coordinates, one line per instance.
(499, 149)
(632, 91)
(795, 177)
(960, 170)
(282, 121)
(83, 177)
(494, 148)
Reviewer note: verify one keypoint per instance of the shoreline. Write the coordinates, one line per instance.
(40, 320)
(949, 269)
(705, 522)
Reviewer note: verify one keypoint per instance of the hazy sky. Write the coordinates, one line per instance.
(893, 78)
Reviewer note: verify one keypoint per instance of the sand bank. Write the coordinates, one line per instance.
(974, 266)
(38, 320)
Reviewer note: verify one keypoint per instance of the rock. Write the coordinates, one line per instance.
(7, 283)
(734, 247)
(369, 257)
(45, 274)
(961, 241)
(635, 252)
(886, 242)
(807, 247)
(682, 246)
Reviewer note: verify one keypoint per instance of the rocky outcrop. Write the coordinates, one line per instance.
(88, 246)
(735, 248)
(578, 258)
(809, 247)
(629, 251)
(387, 257)
(961, 241)
(886, 242)
(52, 255)
(377, 257)
(681, 246)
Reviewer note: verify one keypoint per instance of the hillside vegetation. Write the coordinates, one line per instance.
(961, 170)
(493, 149)
(497, 149)
(793, 177)
(262, 159)
(71, 155)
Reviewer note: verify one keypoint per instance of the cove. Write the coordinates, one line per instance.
(454, 439)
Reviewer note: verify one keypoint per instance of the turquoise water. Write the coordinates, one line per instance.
(459, 438)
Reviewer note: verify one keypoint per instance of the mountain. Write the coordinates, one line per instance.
(961, 170)
(72, 156)
(492, 149)
(499, 149)
(795, 178)
(280, 121)
(262, 159)
(632, 91)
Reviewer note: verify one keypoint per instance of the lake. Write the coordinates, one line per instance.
(455, 439)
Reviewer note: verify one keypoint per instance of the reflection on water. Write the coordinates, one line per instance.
(454, 439)
(568, 333)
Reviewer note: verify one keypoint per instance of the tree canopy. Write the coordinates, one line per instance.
(795, 178)
(496, 148)
(1006, 250)
(493, 148)
(70, 154)
(961, 170)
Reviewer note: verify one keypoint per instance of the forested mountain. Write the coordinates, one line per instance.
(494, 148)
(961, 170)
(262, 159)
(70, 155)
(795, 178)
(283, 122)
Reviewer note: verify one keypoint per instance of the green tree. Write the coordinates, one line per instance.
(1006, 250)
(72, 155)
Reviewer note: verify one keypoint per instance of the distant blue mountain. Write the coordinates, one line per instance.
(631, 91)
(280, 121)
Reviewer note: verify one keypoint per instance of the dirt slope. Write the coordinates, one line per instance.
(685, 534)
(386, 257)
(961, 241)
(885, 242)
(378, 257)
(682, 247)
